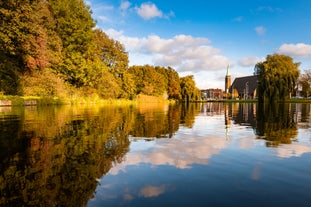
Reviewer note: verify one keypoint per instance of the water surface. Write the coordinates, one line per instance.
(209, 154)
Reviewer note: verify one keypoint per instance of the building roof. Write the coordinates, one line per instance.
(240, 83)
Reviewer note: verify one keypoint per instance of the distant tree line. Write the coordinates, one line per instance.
(52, 48)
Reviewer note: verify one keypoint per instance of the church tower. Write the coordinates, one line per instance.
(227, 81)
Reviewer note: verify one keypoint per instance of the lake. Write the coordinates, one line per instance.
(209, 154)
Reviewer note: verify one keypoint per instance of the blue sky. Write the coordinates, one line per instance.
(202, 37)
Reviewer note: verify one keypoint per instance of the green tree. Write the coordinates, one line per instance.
(189, 91)
(111, 52)
(148, 80)
(305, 82)
(277, 78)
(112, 55)
(75, 28)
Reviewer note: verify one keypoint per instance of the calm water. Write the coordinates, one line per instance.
(197, 155)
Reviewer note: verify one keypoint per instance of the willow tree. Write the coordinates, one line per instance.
(277, 78)
(189, 91)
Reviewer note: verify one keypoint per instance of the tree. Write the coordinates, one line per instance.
(148, 80)
(189, 91)
(277, 78)
(28, 41)
(111, 53)
(172, 82)
(305, 82)
(75, 29)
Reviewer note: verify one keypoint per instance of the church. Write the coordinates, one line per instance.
(241, 88)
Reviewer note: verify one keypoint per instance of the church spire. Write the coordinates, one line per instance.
(227, 81)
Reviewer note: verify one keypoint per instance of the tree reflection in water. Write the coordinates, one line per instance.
(53, 156)
(276, 123)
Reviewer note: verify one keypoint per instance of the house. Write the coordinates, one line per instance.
(244, 87)
(211, 94)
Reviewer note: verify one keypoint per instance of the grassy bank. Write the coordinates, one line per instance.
(293, 100)
(45, 101)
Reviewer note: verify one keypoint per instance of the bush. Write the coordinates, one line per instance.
(43, 83)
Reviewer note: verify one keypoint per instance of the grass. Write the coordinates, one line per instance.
(93, 100)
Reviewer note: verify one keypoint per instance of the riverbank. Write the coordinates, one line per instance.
(293, 100)
(45, 101)
(140, 99)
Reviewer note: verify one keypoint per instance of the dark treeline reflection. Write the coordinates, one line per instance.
(53, 156)
(277, 123)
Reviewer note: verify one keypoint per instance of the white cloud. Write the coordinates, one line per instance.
(148, 11)
(298, 50)
(260, 30)
(250, 61)
(125, 5)
(182, 52)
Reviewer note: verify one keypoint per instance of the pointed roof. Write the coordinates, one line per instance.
(240, 83)
(227, 70)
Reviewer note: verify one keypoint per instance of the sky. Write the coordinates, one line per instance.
(203, 37)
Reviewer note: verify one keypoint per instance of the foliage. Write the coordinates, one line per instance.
(148, 80)
(189, 91)
(74, 27)
(111, 52)
(44, 83)
(173, 82)
(277, 78)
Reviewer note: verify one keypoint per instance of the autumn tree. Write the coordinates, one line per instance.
(189, 91)
(28, 41)
(75, 28)
(148, 80)
(277, 78)
(113, 56)
(172, 82)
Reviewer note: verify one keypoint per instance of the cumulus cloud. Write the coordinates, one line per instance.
(298, 50)
(250, 61)
(198, 149)
(148, 11)
(182, 52)
(260, 30)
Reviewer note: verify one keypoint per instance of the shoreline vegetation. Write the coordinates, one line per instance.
(7, 100)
